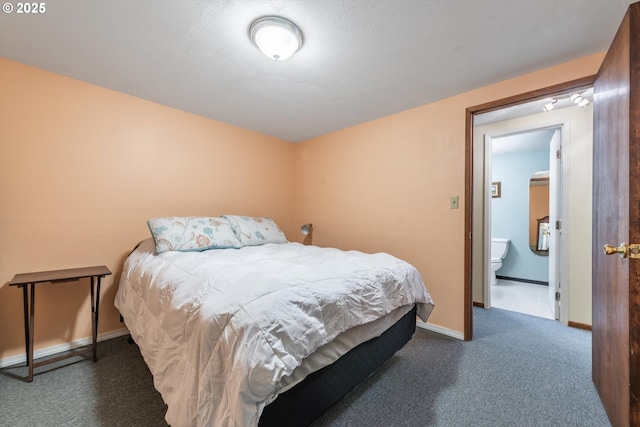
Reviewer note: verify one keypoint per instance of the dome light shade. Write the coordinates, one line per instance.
(276, 37)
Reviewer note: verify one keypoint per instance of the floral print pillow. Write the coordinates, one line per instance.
(253, 231)
(192, 234)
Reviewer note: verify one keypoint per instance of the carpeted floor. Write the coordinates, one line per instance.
(518, 371)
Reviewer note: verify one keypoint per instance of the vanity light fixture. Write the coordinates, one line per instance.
(549, 106)
(276, 37)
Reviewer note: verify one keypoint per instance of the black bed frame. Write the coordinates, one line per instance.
(306, 401)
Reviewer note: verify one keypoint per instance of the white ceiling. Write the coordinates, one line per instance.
(361, 59)
(535, 140)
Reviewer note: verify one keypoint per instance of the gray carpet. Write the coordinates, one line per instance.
(518, 371)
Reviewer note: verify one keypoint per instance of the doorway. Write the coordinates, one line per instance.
(616, 371)
(477, 246)
(522, 263)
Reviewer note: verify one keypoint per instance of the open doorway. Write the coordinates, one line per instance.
(574, 257)
(518, 217)
(525, 200)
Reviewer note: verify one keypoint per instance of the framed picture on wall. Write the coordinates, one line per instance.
(495, 189)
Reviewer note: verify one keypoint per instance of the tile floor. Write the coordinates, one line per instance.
(526, 298)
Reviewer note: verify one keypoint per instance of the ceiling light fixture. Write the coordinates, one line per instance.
(276, 37)
(578, 99)
(583, 103)
(549, 106)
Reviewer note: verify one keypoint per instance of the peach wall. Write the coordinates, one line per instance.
(385, 185)
(81, 170)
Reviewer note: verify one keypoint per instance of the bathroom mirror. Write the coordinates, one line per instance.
(543, 235)
(539, 228)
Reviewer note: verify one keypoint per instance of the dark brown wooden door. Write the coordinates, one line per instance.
(616, 220)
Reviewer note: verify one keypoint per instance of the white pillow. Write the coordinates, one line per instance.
(192, 234)
(253, 231)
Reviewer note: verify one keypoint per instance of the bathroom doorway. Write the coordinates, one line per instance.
(525, 168)
(574, 181)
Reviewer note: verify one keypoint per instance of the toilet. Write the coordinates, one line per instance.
(499, 249)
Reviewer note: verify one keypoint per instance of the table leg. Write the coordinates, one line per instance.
(95, 310)
(25, 301)
(31, 329)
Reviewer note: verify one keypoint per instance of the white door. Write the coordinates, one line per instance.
(555, 221)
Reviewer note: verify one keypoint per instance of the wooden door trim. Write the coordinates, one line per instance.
(634, 214)
(546, 92)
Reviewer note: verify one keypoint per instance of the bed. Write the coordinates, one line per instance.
(243, 328)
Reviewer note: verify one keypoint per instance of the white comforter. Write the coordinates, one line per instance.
(219, 329)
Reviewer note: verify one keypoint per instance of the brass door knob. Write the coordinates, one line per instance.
(623, 250)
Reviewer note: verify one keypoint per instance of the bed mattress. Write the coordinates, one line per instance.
(333, 350)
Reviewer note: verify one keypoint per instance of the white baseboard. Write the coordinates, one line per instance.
(440, 330)
(45, 352)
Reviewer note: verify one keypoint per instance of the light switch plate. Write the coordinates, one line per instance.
(453, 202)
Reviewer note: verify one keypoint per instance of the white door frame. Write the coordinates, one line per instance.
(555, 217)
(484, 175)
(486, 194)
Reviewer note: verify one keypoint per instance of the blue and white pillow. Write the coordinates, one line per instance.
(192, 233)
(252, 231)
